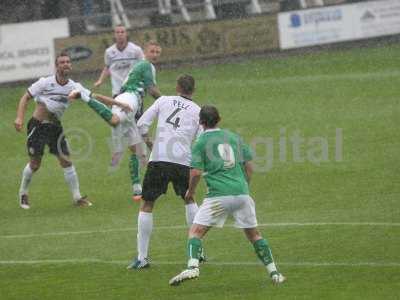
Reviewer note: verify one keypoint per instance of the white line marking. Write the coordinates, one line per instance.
(314, 78)
(316, 224)
(183, 263)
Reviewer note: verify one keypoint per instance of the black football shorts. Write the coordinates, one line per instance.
(159, 174)
(41, 134)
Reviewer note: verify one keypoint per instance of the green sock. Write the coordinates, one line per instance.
(134, 169)
(101, 109)
(263, 251)
(194, 249)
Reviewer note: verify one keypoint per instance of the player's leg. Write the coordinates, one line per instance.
(59, 147)
(124, 132)
(213, 212)
(35, 145)
(154, 184)
(99, 108)
(244, 215)
(137, 156)
(32, 166)
(133, 139)
(71, 178)
(180, 180)
(194, 251)
(102, 110)
(264, 253)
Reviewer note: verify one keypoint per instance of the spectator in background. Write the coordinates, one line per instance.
(87, 7)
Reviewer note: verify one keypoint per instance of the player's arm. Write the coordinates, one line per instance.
(246, 156)
(150, 83)
(22, 105)
(195, 176)
(248, 170)
(145, 122)
(154, 91)
(103, 75)
(197, 164)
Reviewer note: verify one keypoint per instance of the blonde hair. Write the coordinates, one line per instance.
(152, 43)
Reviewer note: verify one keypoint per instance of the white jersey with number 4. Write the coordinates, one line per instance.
(177, 128)
(119, 63)
(52, 94)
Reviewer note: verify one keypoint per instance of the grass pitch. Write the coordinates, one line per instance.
(329, 204)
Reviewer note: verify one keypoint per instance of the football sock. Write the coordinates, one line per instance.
(194, 250)
(26, 179)
(71, 177)
(191, 210)
(264, 254)
(134, 169)
(145, 227)
(101, 109)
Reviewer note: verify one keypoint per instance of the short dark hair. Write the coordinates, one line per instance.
(61, 54)
(209, 116)
(152, 43)
(186, 83)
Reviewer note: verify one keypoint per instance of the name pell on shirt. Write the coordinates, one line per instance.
(181, 105)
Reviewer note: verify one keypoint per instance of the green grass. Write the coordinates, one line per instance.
(315, 94)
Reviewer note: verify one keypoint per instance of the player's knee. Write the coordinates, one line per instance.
(197, 231)
(147, 206)
(35, 164)
(114, 121)
(65, 163)
(252, 234)
(187, 201)
(133, 149)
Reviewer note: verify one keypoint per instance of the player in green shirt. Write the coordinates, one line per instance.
(141, 79)
(224, 161)
(126, 109)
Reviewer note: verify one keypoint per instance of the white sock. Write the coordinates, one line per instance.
(145, 227)
(193, 263)
(191, 210)
(72, 180)
(26, 179)
(271, 268)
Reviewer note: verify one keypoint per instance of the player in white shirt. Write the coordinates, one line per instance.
(119, 60)
(44, 128)
(177, 128)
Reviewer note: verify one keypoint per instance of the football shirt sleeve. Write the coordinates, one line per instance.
(107, 60)
(148, 117)
(245, 151)
(37, 87)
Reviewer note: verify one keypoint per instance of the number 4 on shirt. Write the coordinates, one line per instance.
(174, 123)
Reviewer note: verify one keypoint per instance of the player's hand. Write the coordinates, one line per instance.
(148, 141)
(73, 95)
(18, 123)
(149, 144)
(97, 83)
(189, 196)
(125, 107)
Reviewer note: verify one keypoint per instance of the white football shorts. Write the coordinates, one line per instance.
(214, 211)
(126, 132)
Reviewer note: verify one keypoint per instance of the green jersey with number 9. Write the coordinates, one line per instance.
(220, 154)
